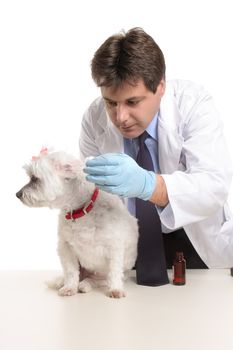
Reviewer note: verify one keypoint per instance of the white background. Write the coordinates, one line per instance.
(45, 86)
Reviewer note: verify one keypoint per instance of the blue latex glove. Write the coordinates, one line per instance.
(119, 174)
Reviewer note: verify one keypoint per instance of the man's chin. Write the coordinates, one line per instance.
(130, 133)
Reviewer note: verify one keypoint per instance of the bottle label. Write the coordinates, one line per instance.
(179, 273)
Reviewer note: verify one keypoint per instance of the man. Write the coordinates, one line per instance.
(191, 173)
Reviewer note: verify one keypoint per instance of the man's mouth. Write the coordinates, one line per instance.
(125, 128)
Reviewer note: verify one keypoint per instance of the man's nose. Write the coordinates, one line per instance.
(121, 114)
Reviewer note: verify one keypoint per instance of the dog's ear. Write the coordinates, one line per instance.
(68, 170)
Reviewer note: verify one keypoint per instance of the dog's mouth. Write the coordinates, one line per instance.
(28, 200)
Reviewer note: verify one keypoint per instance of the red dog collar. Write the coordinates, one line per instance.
(78, 213)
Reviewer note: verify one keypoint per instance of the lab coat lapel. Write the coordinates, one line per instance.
(110, 140)
(170, 138)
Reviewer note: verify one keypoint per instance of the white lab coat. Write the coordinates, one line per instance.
(193, 161)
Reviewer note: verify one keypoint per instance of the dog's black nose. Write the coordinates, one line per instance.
(19, 194)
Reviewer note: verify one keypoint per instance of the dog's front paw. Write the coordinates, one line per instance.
(116, 293)
(67, 291)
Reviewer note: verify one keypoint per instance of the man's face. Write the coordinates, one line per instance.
(132, 107)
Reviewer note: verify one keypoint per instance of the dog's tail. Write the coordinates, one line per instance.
(56, 283)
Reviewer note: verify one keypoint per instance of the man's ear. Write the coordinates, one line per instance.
(161, 88)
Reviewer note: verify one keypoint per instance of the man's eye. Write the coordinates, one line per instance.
(111, 104)
(132, 103)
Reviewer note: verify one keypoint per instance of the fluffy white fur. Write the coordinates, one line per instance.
(103, 242)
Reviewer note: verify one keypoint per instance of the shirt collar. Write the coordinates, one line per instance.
(152, 128)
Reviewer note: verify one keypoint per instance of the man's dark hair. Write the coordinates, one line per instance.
(129, 57)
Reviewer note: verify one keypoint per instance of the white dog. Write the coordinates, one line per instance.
(95, 229)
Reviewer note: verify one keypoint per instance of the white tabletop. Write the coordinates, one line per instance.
(198, 315)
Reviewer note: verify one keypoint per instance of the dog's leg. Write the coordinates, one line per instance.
(70, 267)
(115, 276)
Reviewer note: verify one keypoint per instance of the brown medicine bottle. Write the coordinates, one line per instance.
(179, 269)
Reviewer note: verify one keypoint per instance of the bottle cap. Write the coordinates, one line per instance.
(179, 255)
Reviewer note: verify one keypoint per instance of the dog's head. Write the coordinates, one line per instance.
(50, 177)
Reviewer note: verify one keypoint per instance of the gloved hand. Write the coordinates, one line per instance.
(119, 174)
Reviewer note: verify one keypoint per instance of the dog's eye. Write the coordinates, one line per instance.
(34, 178)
